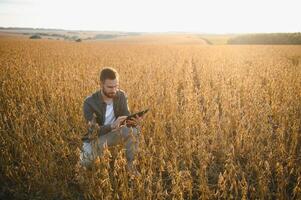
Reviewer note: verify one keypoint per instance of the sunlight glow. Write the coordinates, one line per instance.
(207, 16)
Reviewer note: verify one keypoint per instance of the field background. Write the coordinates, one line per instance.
(224, 120)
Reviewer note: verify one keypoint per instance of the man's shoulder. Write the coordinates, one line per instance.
(121, 93)
(90, 99)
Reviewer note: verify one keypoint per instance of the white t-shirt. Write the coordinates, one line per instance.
(110, 116)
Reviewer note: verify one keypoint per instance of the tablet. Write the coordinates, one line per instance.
(139, 114)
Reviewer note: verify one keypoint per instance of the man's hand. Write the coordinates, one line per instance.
(118, 122)
(134, 121)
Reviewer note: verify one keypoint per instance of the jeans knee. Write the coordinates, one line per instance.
(128, 132)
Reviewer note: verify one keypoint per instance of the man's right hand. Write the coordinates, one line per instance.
(118, 122)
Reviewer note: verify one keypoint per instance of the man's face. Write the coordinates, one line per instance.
(110, 87)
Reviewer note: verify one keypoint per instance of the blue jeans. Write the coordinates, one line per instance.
(129, 137)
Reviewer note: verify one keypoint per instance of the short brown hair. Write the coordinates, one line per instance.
(108, 73)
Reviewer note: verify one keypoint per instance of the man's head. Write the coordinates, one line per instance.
(109, 81)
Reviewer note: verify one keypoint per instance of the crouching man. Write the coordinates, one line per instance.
(108, 107)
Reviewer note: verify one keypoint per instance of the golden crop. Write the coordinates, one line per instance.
(224, 121)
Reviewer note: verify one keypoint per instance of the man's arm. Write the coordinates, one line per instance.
(105, 129)
(125, 111)
(88, 115)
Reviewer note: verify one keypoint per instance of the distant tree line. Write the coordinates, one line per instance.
(267, 38)
(35, 37)
(65, 37)
(105, 36)
(77, 38)
(111, 36)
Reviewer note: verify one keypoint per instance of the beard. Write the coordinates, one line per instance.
(109, 94)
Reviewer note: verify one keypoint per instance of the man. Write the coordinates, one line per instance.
(110, 107)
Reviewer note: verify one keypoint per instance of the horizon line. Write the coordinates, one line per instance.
(170, 31)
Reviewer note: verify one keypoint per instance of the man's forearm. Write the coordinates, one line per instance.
(105, 129)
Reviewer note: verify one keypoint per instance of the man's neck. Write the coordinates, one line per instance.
(105, 98)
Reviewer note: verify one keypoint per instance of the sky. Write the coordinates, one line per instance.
(205, 16)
